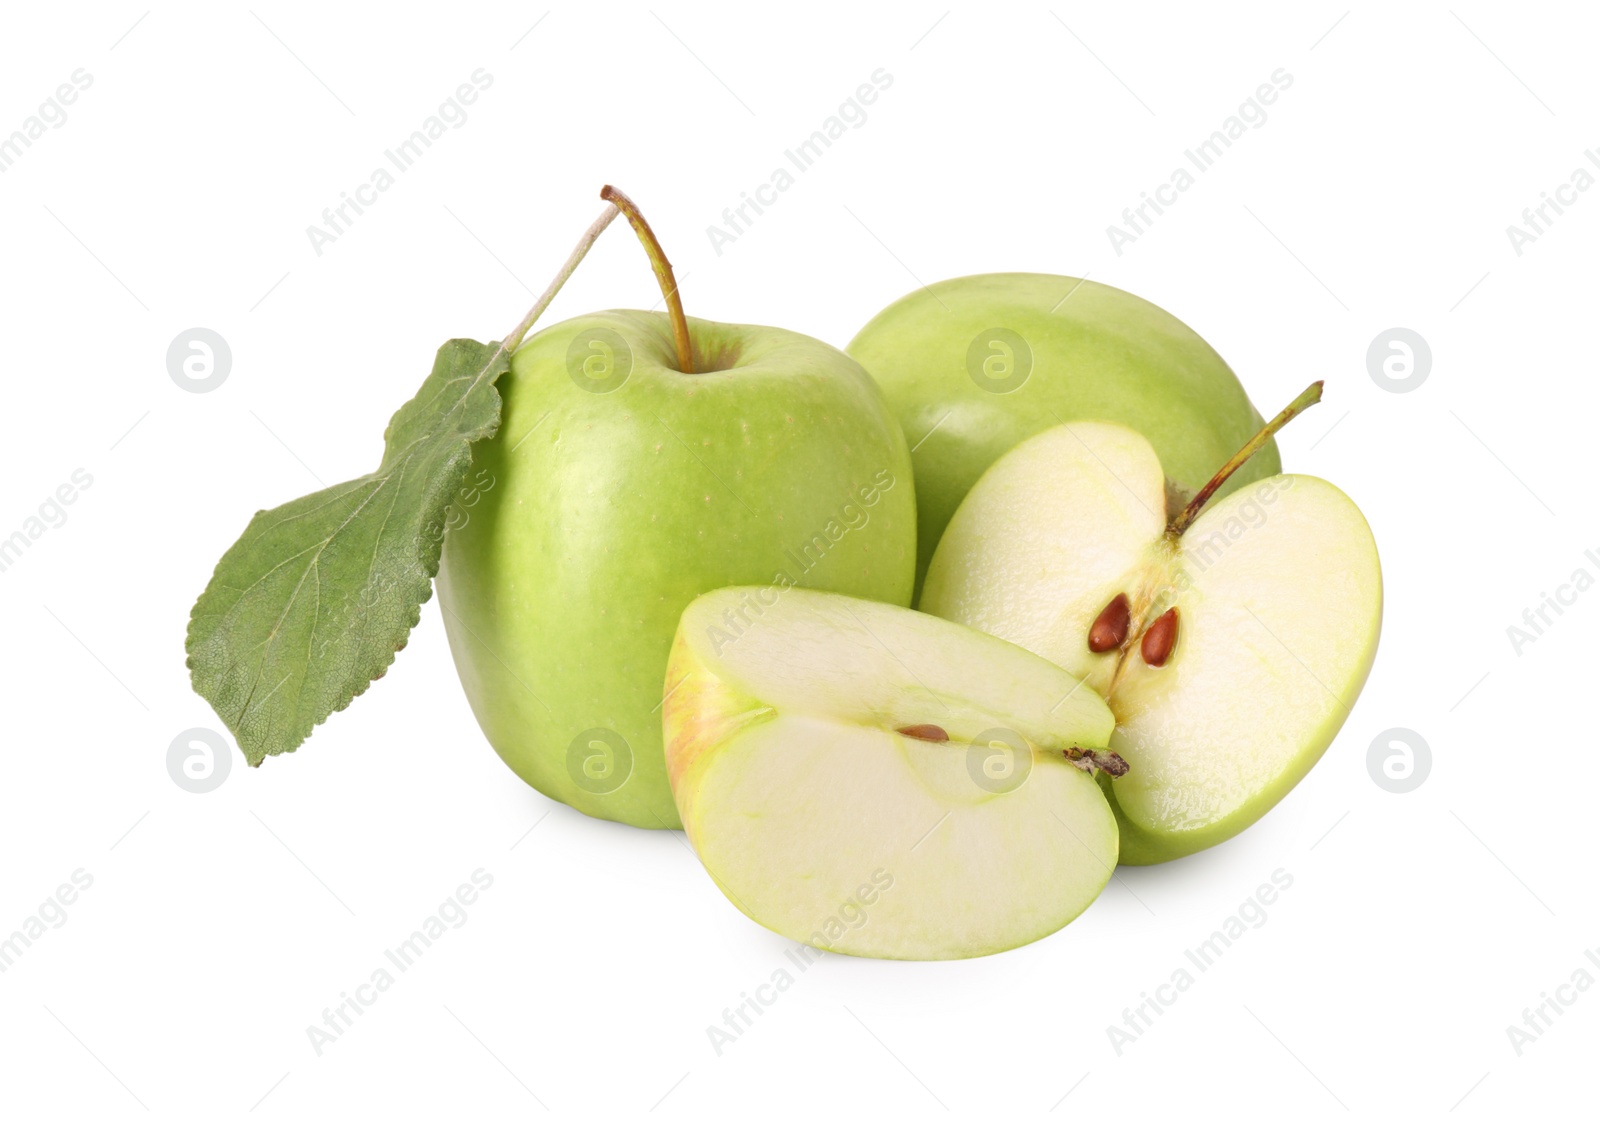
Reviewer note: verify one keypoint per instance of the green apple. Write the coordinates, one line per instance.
(875, 781)
(1229, 641)
(975, 365)
(618, 489)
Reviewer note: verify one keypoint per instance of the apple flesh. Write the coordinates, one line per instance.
(973, 366)
(1278, 603)
(876, 781)
(617, 490)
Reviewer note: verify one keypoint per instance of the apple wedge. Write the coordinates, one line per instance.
(1230, 640)
(874, 781)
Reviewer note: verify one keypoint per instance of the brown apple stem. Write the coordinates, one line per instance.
(1186, 517)
(663, 270)
(1090, 759)
(581, 250)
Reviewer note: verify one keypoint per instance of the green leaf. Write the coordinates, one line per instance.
(312, 603)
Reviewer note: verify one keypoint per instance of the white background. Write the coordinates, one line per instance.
(220, 926)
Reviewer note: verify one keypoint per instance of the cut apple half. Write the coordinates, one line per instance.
(874, 781)
(1229, 640)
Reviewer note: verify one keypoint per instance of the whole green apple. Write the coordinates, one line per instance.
(974, 366)
(620, 488)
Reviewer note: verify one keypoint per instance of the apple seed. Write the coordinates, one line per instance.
(1110, 628)
(931, 733)
(1156, 646)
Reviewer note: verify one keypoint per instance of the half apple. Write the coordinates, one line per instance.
(875, 781)
(1230, 639)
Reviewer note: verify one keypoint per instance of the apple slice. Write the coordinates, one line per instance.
(874, 781)
(1230, 641)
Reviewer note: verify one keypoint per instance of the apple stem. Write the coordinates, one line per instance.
(1186, 517)
(590, 236)
(663, 270)
(1090, 759)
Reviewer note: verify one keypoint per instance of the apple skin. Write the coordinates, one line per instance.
(598, 516)
(1098, 354)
